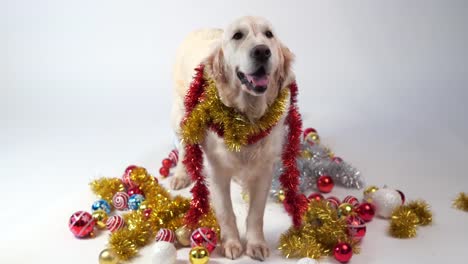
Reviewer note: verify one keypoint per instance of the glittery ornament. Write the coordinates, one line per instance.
(107, 257)
(165, 234)
(134, 190)
(369, 192)
(204, 237)
(120, 201)
(81, 224)
(135, 201)
(164, 171)
(100, 217)
(356, 227)
(307, 261)
(343, 252)
(101, 204)
(199, 255)
(315, 196)
(345, 209)
(351, 200)
(333, 202)
(385, 201)
(366, 211)
(403, 223)
(183, 236)
(126, 176)
(114, 223)
(164, 253)
(461, 202)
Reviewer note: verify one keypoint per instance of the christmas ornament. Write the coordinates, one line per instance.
(135, 201)
(351, 200)
(307, 261)
(315, 196)
(461, 202)
(81, 224)
(402, 196)
(325, 184)
(165, 234)
(369, 192)
(120, 201)
(307, 131)
(403, 223)
(366, 211)
(174, 157)
(163, 171)
(101, 204)
(167, 163)
(134, 190)
(164, 253)
(333, 201)
(385, 201)
(313, 138)
(204, 237)
(100, 217)
(345, 209)
(343, 252)
(356, 227)
(183, 236)
(422, 211)
(147, 212)
(114, 223)
(107, 257)
(237, 132)
(199, 255)
(126, 176)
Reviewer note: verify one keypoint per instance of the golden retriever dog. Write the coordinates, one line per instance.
(250, 66)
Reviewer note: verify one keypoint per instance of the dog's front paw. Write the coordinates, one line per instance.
(258, 250)
(179, 182)
(232, 249)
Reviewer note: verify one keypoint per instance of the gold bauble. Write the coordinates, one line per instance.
(369, 192)
(345, 209)
(100, 216)
(281, 196)
(107, 257)
(183, 236)
(199, 255)
(314, 137)
(306, 154)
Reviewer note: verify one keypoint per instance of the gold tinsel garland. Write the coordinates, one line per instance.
(406, 218)
(140, 227)
(236, 126)
(461, 202)
(321, 231)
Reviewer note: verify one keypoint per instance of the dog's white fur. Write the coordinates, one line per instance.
(252, 167)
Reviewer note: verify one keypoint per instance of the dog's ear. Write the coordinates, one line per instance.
(286, 60)
(217, 64)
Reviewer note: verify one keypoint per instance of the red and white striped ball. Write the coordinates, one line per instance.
(333, 202)
(166, 235)
(120, 201)
(205, 237)
(115, 223)
(126, 177)
(351, 200)
(174, 157)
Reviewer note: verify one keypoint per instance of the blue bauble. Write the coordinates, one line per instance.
(135, 201)
(101, 205)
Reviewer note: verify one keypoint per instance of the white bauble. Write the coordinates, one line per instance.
(385, 201)
(307, 261)
(164, 253)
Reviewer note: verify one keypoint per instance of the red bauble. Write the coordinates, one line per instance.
(307, 131)
(366, 211)
(325, 184)
(147, 212)
(333, 202)
(81, 224)
(205, 237)
(315, 197)
(126, 176)
(166, 235)
(164, 171)
(343, 252)
(337, 159)
(356, 227)
(402, 196)
(134, 190)
(351, 200)
(167, 163)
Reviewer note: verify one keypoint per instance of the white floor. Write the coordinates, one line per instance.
(85, 91)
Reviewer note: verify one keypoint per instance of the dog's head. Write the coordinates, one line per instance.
(252, 58)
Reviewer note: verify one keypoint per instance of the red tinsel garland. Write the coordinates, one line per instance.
(294, 202)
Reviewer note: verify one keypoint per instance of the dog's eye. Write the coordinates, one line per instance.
(238, 35)
(268, 34)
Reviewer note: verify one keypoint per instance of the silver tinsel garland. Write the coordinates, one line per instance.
(314, 162)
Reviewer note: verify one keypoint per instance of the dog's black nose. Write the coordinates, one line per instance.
(260, 53)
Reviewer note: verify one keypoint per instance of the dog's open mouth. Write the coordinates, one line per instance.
(256, 81)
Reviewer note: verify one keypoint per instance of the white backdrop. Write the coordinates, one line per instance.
(85, 90)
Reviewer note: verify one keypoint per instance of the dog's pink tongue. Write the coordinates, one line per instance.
(258, 81)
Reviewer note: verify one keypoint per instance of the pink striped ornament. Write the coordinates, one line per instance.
(115, 223)
(174, 157)
(333, 202)
(166, 235)
(351, 200)
(120, 201)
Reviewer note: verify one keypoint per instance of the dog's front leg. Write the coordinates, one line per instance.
(258, 187)
(221, 198)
